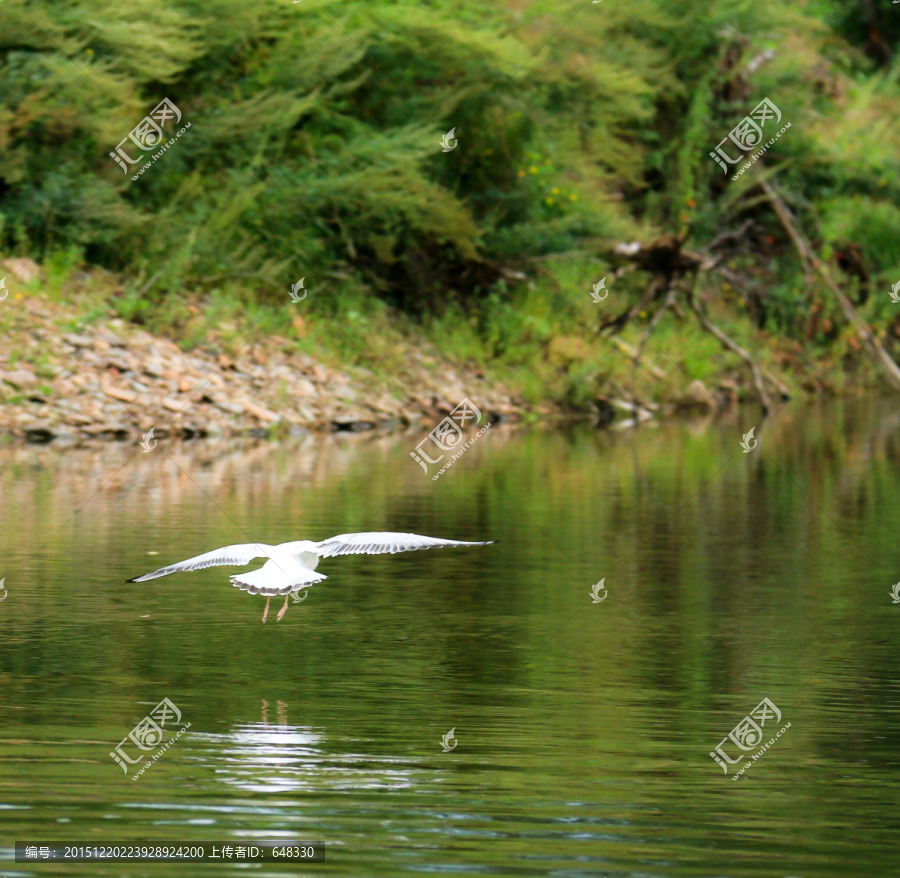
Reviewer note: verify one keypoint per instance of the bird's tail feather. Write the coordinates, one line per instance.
(276, 576)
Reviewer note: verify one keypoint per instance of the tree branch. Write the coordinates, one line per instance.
(871, 341)
(733, 346)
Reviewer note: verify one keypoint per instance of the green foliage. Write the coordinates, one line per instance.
(314, 150)
(314, 141)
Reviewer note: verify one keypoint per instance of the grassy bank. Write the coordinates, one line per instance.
(77, 361)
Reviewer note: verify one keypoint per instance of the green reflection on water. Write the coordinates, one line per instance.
(583, 729)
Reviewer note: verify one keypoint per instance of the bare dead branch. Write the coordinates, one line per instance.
(732, 346)
(632, 353)
(871, 341)
(779, 385)
(728, 235)
(783, 212)
(670, 265)
(653, 291)
(670, 298)
(757, 61)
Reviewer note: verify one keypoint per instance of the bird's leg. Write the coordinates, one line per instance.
(266, 610)
(283, 610)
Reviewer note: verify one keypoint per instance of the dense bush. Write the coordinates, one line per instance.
(314, 140)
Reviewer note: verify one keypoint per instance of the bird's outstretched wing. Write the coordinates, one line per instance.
(379, 543)
(238, 555)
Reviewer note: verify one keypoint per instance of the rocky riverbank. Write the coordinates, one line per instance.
(112, 380)
(72, 371)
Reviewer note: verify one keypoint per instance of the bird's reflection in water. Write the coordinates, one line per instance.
(281, 712)
(271, 756)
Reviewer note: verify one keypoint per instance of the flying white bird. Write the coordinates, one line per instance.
(291, 566)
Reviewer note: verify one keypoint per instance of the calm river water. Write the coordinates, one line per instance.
(741, 593)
